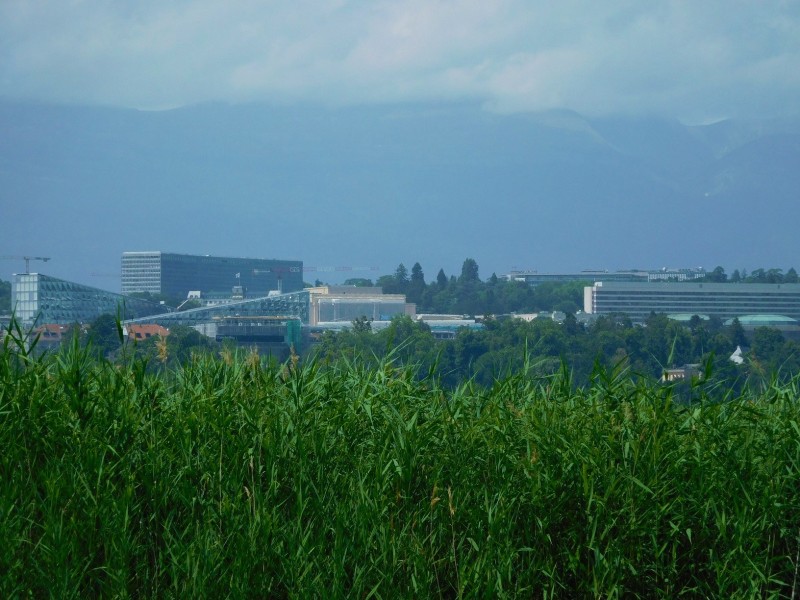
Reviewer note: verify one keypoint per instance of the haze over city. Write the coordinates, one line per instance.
(522, 134)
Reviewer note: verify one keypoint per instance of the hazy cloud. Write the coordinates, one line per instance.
(695, 60)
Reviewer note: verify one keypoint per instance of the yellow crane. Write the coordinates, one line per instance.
(27, 260)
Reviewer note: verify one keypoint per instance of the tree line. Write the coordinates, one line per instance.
(542, 346)
(467, 294)
(718, 275)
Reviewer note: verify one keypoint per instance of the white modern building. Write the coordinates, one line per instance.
(723, 300)
(334, 304)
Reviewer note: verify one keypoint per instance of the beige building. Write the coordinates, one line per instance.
(337, 303)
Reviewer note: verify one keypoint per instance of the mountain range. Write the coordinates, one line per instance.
(370, 187)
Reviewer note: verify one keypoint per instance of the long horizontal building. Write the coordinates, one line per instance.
(534, 278)
(175, 275)
(723, 300)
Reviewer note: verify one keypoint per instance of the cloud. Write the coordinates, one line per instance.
(693, 60)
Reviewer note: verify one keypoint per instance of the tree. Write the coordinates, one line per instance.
(417, 276)
(441, 279)
(767, 347)
(469, 271)
(183, 341)
(791, 276)
(362, 325)
(736, 277)
(394, 284)
(717, 275)
(401, 275)
(103, 334)
(359, 282)
(736, 334)
(774, 276)
(416, 286)
(388, 284)
(567, 307)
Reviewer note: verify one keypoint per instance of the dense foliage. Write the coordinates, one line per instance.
(501, 346)
(467, 294)
(228, 477)
(760, 275)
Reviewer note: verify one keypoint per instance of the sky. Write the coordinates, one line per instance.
(695, 60)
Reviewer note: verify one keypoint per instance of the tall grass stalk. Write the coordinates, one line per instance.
(235, 477)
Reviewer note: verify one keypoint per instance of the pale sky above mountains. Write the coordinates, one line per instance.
(698, 61)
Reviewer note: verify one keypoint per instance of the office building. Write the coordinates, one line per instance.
(723, 300)
(175, 275)
(534, 278)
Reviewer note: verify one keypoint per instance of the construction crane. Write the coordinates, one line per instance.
(27, 260)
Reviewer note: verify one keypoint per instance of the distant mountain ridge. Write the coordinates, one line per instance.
(381, 185)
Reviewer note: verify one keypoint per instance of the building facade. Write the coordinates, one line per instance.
(336, 304)
(292, 306)
(175, 275)
(44, 299)
(534, 278)
(723, 300)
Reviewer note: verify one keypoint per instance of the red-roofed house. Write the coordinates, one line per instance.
(142, 332)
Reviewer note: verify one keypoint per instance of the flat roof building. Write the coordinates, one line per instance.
(534, 278)
(175, 275)
(723, 300)
(342, 303)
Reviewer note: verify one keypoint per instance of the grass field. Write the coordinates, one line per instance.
(229, 477)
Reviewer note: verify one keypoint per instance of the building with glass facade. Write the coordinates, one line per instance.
(534, 278)
(262, 321)
(723, 300)
(175, 275)
(335, 304)
(292, 306)
(327, 304)
(44, 299)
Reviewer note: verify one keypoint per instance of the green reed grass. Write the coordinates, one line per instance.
(230, 477)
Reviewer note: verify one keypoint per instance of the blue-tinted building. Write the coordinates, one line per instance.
(43, 299)
(175, 275)
(292, 306)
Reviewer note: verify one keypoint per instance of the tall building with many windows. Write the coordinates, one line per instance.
(176, 275)
(723, 300)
